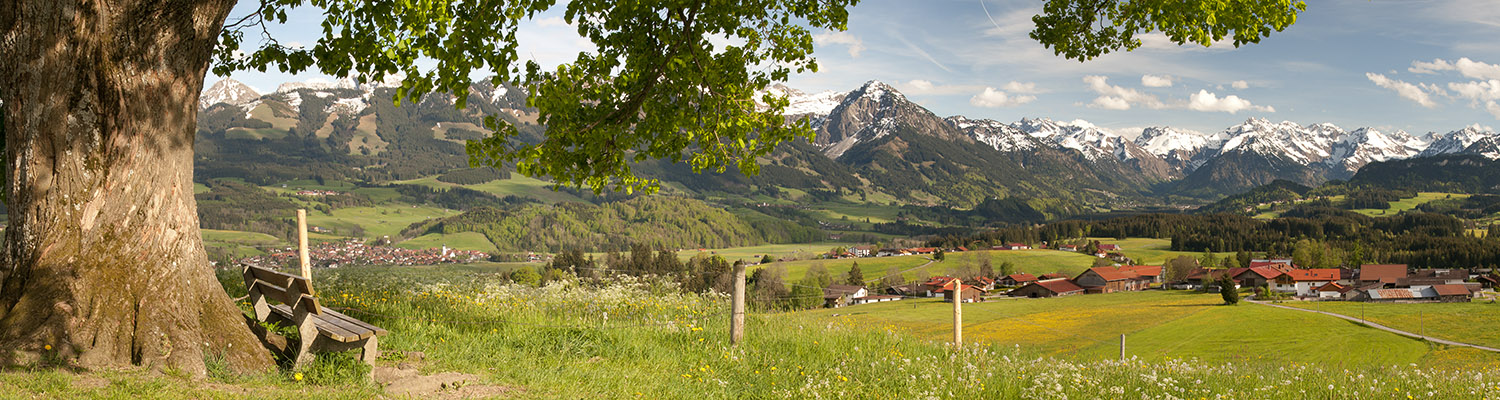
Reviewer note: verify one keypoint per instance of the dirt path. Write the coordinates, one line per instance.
(1382, 327)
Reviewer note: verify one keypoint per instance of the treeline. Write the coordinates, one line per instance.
(656, 221)
(473, 176)
(1418, 239)
(456, 198)
(236, 206)
(701, 274)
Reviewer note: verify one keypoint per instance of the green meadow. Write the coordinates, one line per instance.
(1473, 322)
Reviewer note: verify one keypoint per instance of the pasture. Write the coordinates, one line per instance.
(1473, 322)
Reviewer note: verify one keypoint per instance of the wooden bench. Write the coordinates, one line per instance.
(320, 329)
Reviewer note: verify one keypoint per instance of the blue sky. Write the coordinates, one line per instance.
(1413, 65)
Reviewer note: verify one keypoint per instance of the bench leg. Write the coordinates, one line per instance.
(370, 351)
(309, 334)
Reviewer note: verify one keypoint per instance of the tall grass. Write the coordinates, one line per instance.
(555, 342)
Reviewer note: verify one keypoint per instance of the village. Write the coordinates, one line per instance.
(1269, 279)
(355, 253)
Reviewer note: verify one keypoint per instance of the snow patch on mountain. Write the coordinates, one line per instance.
(227, 91)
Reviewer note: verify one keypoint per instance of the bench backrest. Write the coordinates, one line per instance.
(294, 291)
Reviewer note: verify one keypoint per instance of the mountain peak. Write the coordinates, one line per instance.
(227, 91)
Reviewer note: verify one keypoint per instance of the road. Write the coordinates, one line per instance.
(1382, 327)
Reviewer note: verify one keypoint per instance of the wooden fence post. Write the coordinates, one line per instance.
(1122, 347)
(958, 313)
(737, 319)
(302, 243)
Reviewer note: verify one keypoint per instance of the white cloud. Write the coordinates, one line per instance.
(1466, 67)
(845, 38)
(920, 85)
(1149, 80)
(923, 86)
(1241, 85)
(1205, 101)
(1118, 98)
(1477, 91)
(1494, 110)
(1021, 87)
(992, 98)
(551, 22)
(1406, 90)
(1110, 103)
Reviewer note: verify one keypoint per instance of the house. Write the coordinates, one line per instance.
(914, 289)
(1453, 293)
(1152, 272)
(1383, 273)
(1332, 290)
(1068, 247)
(1013, 280)
(922, 250)
(863, 251)
(892, 252)
(1429, 277)
(1260, 276)
(1278, 263)
(1110, 247)
(877, 299)
(1047, 288)
(966, 293)
(1305, 282)
(1206, 278)
(984, 283)
(1488, 281)
(933, 284)
(1110, 279)
(1018, 246)
(835, 296)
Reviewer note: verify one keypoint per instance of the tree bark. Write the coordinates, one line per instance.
(103, 259)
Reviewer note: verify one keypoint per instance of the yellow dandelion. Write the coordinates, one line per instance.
(297, 377)
(47, 347)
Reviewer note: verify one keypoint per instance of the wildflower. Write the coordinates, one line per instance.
(842, 378)
(297, 377)
(47, 347)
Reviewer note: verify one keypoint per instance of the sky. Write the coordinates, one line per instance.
(1411, 65)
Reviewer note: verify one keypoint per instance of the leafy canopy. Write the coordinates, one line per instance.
(1084, 29)
(670, 79)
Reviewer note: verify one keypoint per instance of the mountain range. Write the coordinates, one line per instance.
(872, 140)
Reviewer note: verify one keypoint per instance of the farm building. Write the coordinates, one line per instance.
(1109, 280)
(966, 293)
(1383, 273)
(1332, 290)
(877, 299)
(1453, 293)
(1305, 282)
(1152, 272)
(1260, 276)
(1047, 288)
(1426, 277)
(842, 295)
(1068, 247)
(1016, 279)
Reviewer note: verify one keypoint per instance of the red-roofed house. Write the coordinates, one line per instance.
(984, 283)
(1383, 273)
(1332, 290)
(1018, 246)
(968, 293)
(934, 284)
(1017, 279)
(1047, 288)
(1150, 271)
(1068, 247)
(1305, 282)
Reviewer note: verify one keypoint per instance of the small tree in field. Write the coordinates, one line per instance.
(1230, 293)
(938, 255)
(856, 277)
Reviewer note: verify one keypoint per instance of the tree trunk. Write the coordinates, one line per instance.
(104, 263)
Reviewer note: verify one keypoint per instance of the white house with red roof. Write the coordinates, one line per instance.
(1305, 282)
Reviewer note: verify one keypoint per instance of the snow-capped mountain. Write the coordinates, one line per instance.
(999, 135)
(1080, 135)
(227, 91)
(872, 112)
(1452, 142)
(1365, 145)
(1176, 147)
(802, 103)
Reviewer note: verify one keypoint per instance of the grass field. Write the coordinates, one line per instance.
(1461, 322)
(873, 268)
(552, 342)
(460, 241)
(240, 244)
(1403, 205)
(1159, 326)
(754, 253)
(1035, 262)
(1150, 251)
(518, 185)
(376, 221)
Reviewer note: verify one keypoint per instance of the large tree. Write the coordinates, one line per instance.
(104, 262)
